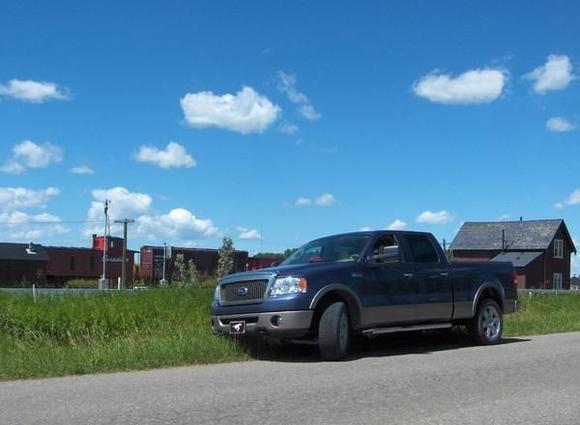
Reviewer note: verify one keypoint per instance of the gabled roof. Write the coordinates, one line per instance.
(22, 252)
(519, 235)
(518, 259)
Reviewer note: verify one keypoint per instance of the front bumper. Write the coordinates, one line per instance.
(278, 324)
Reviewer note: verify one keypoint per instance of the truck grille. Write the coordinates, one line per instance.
(246, 291)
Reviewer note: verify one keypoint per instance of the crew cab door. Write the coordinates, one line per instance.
(429, 274)
(388, 294)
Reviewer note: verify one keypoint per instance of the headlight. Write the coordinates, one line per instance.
(288, 285)
(216, 294)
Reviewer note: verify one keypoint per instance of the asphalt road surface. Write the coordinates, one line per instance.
(419, 379)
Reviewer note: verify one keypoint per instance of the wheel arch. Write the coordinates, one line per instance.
(488, 290)
(334, 293)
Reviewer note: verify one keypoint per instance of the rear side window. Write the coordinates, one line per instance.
(421, 249)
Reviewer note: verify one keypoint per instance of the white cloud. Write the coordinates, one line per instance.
(12, 198)
(12, 167)
(31, 155)
(325, 200)
(287, 85)
(124, 204)
(555, 74)
(289, 128)
(21, 226)
(301, 202)
(16, 224)
(397, 225)
(472, 87)
(248, 234)
(82, 169)
(573, 199)
(178, 224)
(439, 217)
(173, 156)
(366, 229)
(308, 112)
(559, 124)
(246, 112)
(32, 91)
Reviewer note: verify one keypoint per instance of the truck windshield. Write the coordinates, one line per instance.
(330, 249)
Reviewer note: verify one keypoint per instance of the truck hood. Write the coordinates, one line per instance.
(291, 270)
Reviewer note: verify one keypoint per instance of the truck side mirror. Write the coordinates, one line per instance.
(389, 255)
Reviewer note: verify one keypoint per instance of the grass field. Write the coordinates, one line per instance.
(65, 335)
(544, 314)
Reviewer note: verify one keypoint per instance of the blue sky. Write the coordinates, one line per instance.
(287, 119)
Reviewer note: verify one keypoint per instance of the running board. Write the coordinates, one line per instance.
(393, 329)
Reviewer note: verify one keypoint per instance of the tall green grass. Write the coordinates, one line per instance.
(103, 332)
(544, 314)
(63, 335)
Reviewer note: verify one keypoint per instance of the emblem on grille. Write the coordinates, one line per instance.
(241, 291)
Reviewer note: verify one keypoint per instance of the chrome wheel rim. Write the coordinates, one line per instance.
(343, 332)
(491, 322)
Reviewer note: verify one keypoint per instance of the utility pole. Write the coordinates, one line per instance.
(124, 222)
(103, 282)
(163, 281)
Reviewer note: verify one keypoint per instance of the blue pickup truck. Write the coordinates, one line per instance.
(367, 283)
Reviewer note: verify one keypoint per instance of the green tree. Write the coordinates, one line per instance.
(288, 252)
(179, 269)
(225, 258)
(192, 273)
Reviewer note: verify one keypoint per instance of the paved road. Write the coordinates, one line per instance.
(402, 380)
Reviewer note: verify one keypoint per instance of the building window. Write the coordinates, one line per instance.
(557, 281)
(72, 263)
(558, 248)
(112, 244)
(92, 262)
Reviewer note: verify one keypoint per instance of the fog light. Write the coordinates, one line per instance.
(276, 320)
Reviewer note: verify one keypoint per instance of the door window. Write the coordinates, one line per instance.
(421, 249)
(382, 244)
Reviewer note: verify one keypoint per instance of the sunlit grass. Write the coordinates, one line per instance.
(62, 335)
(543, 314)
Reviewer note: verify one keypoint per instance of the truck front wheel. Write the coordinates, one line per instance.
(334, 332)
(487, 326)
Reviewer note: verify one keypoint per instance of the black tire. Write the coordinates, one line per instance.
(334, 332)
(486, 327)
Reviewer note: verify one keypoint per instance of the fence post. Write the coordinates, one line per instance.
(34, 293)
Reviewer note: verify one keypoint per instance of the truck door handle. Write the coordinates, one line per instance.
(408, 275)
(444, 274)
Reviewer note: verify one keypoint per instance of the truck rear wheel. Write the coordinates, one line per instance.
(487, 326)
(334, 332)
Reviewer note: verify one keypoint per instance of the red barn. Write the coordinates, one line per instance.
(540, 250)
